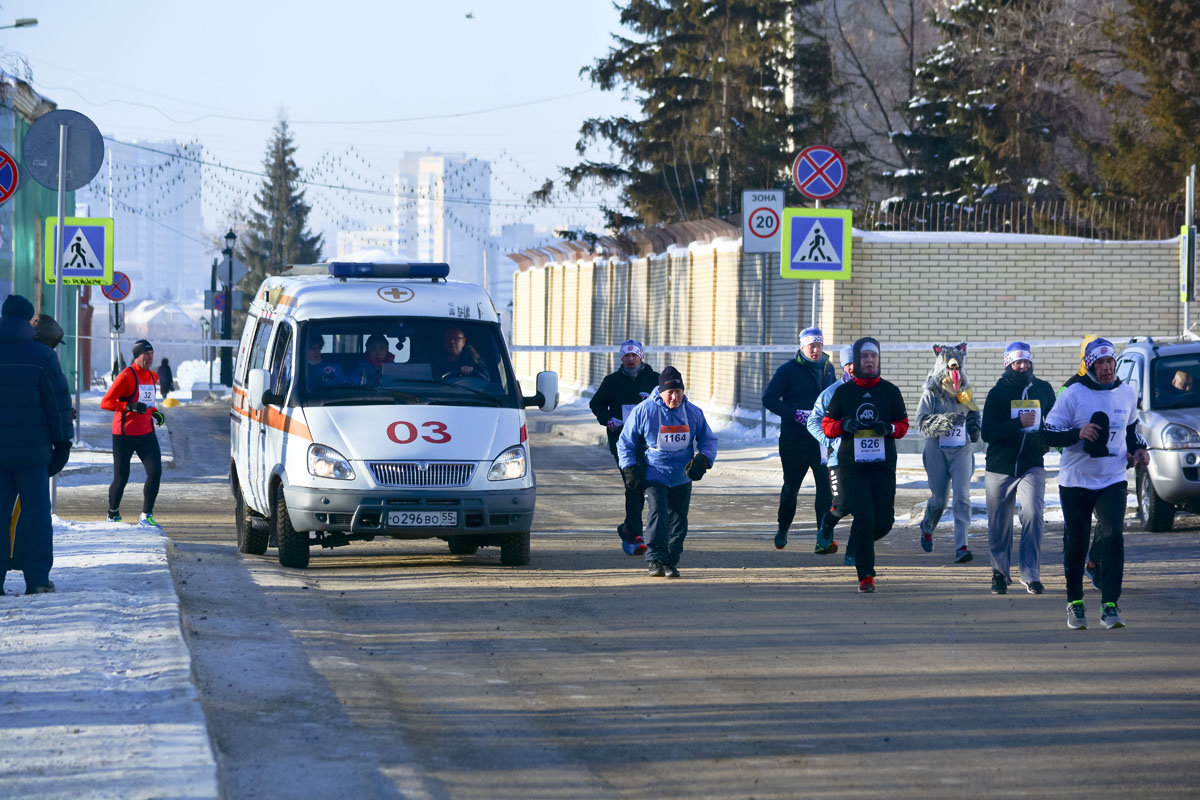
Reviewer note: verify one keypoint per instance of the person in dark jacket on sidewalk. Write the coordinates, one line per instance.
(166, 378)
(791, 394)
(1013, 415)
(35, 440)
(612, 404)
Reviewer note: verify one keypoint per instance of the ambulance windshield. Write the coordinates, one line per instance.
(405, 361)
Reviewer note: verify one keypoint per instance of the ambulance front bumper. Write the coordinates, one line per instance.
(402, 515)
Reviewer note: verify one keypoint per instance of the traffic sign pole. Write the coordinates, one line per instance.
(58, 248)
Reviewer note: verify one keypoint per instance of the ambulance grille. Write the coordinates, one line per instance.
(421, 473)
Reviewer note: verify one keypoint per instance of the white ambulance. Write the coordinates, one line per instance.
(379, 400)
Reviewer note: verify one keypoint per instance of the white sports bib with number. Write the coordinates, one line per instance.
(955, 438)
(868, 447)
(1035, 406)
(672, 438)
(146, 393)
(626, 410)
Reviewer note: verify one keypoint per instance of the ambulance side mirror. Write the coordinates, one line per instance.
(547, 392)
(256, 386)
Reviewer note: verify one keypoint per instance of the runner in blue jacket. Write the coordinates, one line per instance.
(837, 507)
(664, 446)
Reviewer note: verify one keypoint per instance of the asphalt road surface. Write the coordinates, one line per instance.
(394, 669)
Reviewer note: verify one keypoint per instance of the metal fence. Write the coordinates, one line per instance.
(1123, 220)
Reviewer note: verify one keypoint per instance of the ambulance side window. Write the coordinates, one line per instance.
(281, 362)
(258, 349)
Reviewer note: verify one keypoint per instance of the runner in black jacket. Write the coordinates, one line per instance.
(619, 392)
(1013, 416)
(791, 394)
(868, 414)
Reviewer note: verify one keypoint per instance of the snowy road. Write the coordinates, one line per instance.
(397, 670)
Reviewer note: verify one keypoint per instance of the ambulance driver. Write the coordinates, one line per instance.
(655, 451)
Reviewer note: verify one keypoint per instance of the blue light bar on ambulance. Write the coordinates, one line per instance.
(401, 269)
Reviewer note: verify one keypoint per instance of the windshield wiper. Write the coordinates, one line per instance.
(491, 398)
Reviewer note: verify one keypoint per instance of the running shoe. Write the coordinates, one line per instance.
(780, 540)
(824, 551)
(848, 560)
(962, 556)
(114, 516)
(147, 521)
(42, 588)
(1033, 587)
(1076, 616)
(999, 583)
(866, 585)
(1110, 616)
(657, 570)
(1092, 570)
(639, 546)
(927, 542)
(670, 571)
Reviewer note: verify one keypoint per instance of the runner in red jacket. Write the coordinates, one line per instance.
(131, 399)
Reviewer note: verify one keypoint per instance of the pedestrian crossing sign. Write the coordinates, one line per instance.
(816, 243)
(87, 251)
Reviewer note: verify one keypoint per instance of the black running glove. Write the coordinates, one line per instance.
(58, 458)
(850, 425)
(136, 408)
(696, 468)
(1098, 448)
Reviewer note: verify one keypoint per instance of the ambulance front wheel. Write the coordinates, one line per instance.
(514, 549)
(250, 541)
(293, 544)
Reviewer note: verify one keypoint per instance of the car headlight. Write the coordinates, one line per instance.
(325, 462)
(1179, 437)
(508, 465)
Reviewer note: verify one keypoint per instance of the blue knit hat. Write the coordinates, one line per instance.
(846, 354)
(811, 335)
(1017, 351)
(1097, 349)
(17, 306)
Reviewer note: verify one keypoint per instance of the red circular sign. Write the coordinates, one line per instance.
(769, 220)
(819, 172)
(119, 289)
(9, 177)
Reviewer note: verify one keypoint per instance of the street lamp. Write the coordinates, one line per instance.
(23, 22)
(227, 312)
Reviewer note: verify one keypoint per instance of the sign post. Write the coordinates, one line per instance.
(819, 173)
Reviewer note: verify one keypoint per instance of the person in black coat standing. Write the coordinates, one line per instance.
(791, 394)
(35, 440)
(612, 403)
(166, 378)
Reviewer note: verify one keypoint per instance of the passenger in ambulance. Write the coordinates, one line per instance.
(458, 359)
(369, 371)
(317, 371)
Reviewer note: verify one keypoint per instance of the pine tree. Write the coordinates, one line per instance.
(713, 80)
(275, 234)
(993, 105)
(1154, 103)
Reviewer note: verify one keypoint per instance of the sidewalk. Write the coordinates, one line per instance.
(97, 697)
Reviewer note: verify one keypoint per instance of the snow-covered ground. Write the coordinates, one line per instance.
(96, 696)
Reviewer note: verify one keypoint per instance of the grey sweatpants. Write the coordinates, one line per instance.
(1003, 491)
(946, 467)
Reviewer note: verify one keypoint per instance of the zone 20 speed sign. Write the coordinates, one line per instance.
(762, 210)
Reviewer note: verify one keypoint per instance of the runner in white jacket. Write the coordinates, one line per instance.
(1095, 422)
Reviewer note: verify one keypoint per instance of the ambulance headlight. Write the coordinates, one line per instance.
(508, 465)
(325, 462)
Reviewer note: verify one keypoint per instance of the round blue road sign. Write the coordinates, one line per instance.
(8, 176)
(819, 172)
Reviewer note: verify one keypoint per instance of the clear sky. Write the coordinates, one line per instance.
(220, 72)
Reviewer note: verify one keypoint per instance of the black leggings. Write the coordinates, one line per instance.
(1108, 547)
(146, 447)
